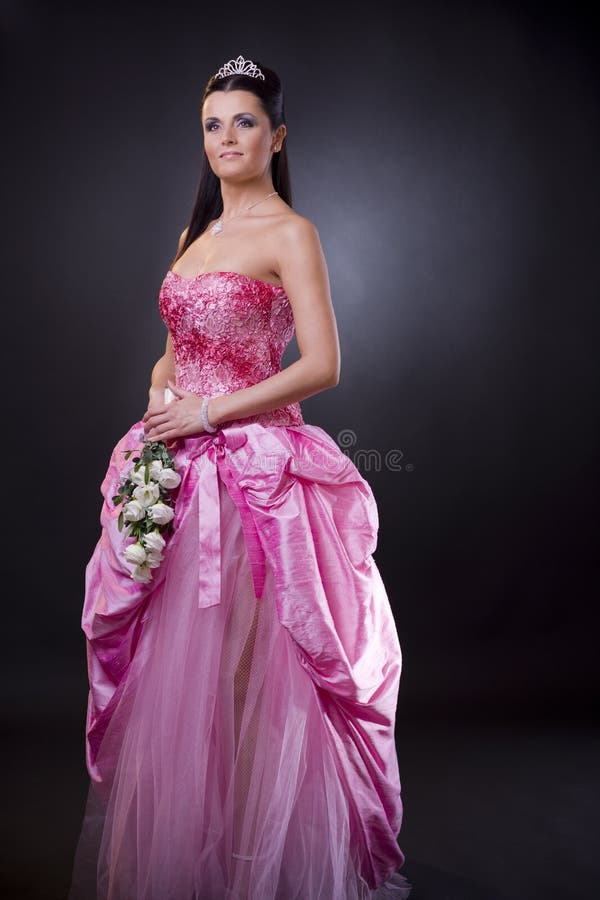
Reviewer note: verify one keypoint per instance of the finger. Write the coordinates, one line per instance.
(150, 417)
(160, 421)
(152, 428)
(155, 435)
(158, 416)
(165, 435)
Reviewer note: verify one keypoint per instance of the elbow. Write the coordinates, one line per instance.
(322, 374)
(334, 371)
(331, 378)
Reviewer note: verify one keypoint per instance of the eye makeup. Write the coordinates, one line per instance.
(243, 117)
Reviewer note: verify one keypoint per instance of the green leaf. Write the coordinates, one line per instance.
(120, 520)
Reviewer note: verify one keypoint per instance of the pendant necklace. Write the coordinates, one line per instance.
(216, 229)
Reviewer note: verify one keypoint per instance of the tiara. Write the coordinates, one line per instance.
(239, 66)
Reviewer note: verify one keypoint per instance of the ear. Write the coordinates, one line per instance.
(278, 140)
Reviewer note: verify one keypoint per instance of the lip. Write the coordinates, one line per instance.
(230, 153)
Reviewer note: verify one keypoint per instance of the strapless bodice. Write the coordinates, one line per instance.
(229, 331)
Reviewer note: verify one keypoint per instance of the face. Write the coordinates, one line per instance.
(235, 123)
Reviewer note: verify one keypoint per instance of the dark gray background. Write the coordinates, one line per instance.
(448, 154)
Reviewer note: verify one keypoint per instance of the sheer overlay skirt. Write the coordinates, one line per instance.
(218, 776)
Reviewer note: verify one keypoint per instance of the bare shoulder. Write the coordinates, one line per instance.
(293, 226)
(298, 243)
(303, 268)
(182, 238)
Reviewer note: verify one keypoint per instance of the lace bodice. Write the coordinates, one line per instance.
(229, 332)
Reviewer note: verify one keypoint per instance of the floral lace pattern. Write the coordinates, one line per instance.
(229, 332)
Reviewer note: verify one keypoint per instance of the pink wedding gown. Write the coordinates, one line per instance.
(240, 721)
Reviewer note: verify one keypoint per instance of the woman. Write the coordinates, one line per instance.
(240, 723)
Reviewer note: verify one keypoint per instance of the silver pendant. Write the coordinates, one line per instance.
(217, 228)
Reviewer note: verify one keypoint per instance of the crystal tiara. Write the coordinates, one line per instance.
(239, 66)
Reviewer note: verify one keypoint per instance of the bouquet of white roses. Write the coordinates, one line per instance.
(147, 506)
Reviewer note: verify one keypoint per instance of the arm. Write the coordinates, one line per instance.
(303, 271)
(164, 368)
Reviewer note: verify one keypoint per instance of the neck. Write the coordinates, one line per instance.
(238, 197)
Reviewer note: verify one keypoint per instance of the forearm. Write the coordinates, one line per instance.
(297, 381)
(161, 372)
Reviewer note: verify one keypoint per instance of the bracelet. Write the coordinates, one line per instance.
(204, 416)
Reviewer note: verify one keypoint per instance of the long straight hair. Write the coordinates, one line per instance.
(209, 202)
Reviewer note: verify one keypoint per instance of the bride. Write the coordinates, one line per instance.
(243, 685)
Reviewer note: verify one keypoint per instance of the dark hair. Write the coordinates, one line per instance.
(209, 203)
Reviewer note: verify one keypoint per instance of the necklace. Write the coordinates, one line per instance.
(218, 227)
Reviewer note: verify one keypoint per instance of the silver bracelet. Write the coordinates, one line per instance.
(204, 416)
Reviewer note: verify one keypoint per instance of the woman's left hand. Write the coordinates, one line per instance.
(176, 419)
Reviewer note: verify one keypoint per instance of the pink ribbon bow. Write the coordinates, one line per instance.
(205, 460)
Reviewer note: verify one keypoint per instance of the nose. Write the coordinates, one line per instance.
(228, 135)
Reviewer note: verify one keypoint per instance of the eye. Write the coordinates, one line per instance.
(248, 122)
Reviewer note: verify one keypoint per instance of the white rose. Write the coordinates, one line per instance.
(135, 553)
(133, 511)
(138, 476)
(169, 478)
(147, 494)
(154, 541)
(156, 467)
(142, 574)
(161, 513)
(154, 559)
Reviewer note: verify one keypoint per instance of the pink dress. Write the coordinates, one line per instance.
(240, 721)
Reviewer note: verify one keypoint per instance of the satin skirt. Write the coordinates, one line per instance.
(240, 720)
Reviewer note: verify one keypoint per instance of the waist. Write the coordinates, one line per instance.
(206, 385)
(283, 415)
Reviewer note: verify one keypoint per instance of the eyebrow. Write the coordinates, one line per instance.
(237, 116)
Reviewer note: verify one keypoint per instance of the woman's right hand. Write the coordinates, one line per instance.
(156, 398)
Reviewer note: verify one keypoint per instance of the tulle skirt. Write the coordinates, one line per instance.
(218, 772)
